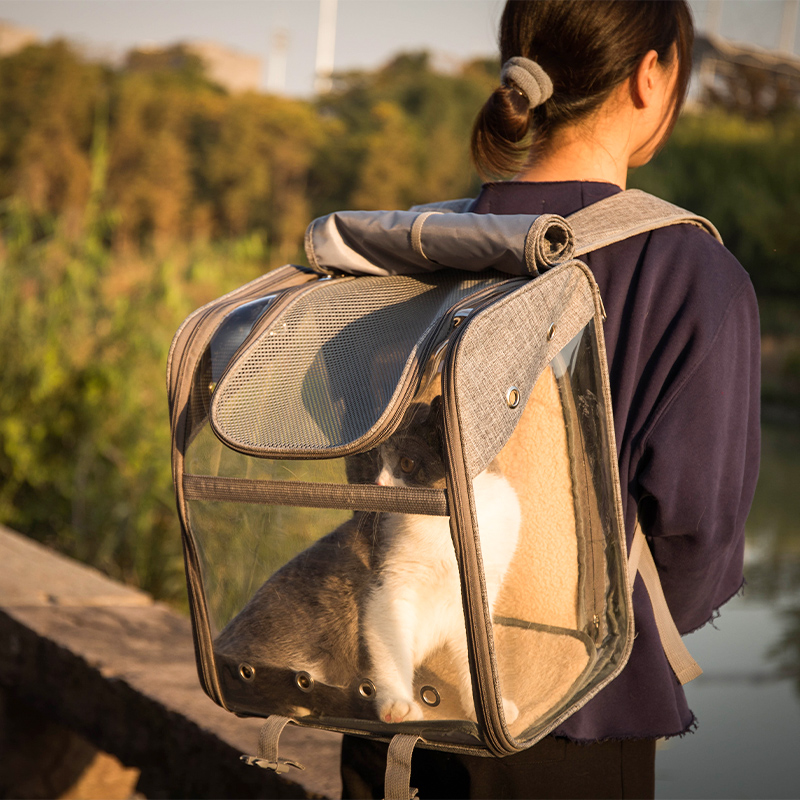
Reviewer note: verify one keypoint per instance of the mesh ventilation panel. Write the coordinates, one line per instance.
(324, 372)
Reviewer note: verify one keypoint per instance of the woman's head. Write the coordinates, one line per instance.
(587, 48)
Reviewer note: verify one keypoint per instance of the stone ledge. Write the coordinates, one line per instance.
(107, 662)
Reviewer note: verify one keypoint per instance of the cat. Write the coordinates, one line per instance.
(373, 598)
(413, 608)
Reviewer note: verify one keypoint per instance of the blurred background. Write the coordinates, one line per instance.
(156, 155)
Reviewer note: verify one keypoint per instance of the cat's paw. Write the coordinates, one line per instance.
(510, 710)
(399, 710)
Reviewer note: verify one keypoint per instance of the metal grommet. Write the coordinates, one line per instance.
(366, 689)
(551, 332)
(513, 397)
(305, 683)
(247, 672)
(430, 696)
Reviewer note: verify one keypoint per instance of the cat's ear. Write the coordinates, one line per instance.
(436, 408)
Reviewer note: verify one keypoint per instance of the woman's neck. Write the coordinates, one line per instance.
(590, 153)
(573, 165)
(623, 133)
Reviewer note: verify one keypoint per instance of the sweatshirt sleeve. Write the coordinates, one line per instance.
(698, 467)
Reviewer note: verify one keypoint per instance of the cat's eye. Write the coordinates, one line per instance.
(407, 464)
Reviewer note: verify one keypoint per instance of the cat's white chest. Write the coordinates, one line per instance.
(415, 606)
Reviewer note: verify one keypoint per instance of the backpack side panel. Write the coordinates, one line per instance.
(561, 636)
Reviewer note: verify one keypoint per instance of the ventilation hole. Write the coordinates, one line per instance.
(366, 689)
(430, 696)
(304, 681)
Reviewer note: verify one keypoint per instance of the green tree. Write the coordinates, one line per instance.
(47, 101)
(745, 177)
(430, 114)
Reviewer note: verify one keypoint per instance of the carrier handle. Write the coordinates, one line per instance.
(267, 757)
(397, 784)
(641, 560)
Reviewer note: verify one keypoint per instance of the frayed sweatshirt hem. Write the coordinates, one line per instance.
(717, 613)
(690, 728)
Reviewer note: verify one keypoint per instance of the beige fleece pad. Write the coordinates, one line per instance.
(542, 582)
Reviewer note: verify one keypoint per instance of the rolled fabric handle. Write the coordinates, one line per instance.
(409, 242)
(549, 242)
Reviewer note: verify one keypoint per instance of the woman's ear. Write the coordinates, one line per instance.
(645, 80)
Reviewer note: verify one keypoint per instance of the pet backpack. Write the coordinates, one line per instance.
(397, 481)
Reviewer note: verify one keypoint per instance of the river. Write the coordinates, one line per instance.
(747, 744)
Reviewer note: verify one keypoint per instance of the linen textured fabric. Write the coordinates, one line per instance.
(684, 361)
(492, 341)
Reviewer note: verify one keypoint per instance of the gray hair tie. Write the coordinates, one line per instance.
(529, 77)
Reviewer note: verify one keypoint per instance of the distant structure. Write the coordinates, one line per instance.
(13, 38)
(742, 78)
(326, 46)
(276, 63)
(235, 71)
(229, 68)
(788, 33)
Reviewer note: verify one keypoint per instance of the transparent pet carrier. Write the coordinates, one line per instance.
(400, 505)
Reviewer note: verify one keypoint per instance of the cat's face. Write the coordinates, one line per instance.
(407, 460)
(412, 456)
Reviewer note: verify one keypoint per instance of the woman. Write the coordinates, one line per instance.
(594, 89)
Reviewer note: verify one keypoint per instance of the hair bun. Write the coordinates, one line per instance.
(529, 78)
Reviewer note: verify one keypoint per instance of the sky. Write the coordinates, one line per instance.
(368, 32)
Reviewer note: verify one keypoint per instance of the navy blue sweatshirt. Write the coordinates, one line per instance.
(682, 337)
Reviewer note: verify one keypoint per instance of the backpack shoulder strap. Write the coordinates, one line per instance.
(641, 560)
(627, 214)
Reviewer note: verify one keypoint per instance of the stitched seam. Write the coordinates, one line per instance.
(416, 233)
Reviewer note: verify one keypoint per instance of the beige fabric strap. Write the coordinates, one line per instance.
(416, 232)
(641, 560)
(397, 785)
(267, 757)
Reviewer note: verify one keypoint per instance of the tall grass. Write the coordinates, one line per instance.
(84, 429)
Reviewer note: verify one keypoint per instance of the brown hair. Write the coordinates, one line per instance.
(588, 48)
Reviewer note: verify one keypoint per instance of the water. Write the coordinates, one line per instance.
(747, 744)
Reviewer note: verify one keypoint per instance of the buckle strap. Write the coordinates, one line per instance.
(397, 784)
(641, 560)
(268, 737)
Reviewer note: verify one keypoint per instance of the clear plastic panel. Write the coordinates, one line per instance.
(356, 617)
(549, 556)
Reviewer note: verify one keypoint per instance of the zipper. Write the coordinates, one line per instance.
(450, 320)
(460, 500)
